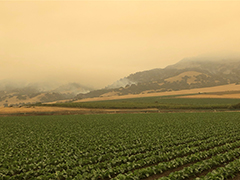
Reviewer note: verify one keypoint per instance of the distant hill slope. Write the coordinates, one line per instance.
(186, 74)
(16, 95)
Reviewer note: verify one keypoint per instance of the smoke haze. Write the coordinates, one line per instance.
(96, 43)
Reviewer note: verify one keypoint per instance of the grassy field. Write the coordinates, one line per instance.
(167, 102)
(121, 146)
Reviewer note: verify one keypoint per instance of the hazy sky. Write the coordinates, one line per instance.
(98, 42)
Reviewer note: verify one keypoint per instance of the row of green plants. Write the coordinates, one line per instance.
(197, 168)
(112, 146)
(227, 172)
(155, 102)
(126, 164)
(172, 164)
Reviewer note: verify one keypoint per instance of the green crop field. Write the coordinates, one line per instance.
(155, 102)
(121, 146)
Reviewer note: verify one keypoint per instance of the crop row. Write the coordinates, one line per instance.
(197, 168)
(164, 166)
(108, 146)
(226, 172)
(153, 155)
(91, 172)
(127, 164)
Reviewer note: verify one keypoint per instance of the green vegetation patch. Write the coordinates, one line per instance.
(155, 102)
(118, 146)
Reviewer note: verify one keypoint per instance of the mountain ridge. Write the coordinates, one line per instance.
(185, 74)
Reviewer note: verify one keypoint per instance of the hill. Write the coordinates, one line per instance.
(187, 74)
(12, 94)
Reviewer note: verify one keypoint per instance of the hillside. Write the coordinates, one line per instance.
(17, 95)
(186, 74)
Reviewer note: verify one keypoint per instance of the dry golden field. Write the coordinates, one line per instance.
(230, 92)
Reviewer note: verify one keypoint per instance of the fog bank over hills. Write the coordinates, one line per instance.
(41, 86)
(221, 58)
(16, 93)
(188, 73)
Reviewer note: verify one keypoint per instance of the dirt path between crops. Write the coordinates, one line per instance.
(40, 110)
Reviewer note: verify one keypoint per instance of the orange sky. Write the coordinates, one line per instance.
(98, 42)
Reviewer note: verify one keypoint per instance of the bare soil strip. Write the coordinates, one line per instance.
(204, 173)
(43, 110)
(166, 173)
(237, 177)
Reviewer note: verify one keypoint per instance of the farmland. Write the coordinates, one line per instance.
(160, 102)
(121, 146)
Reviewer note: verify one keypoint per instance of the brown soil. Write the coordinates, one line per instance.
(237, 177)
(43, 110)
(166, 173)
(8, 110)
